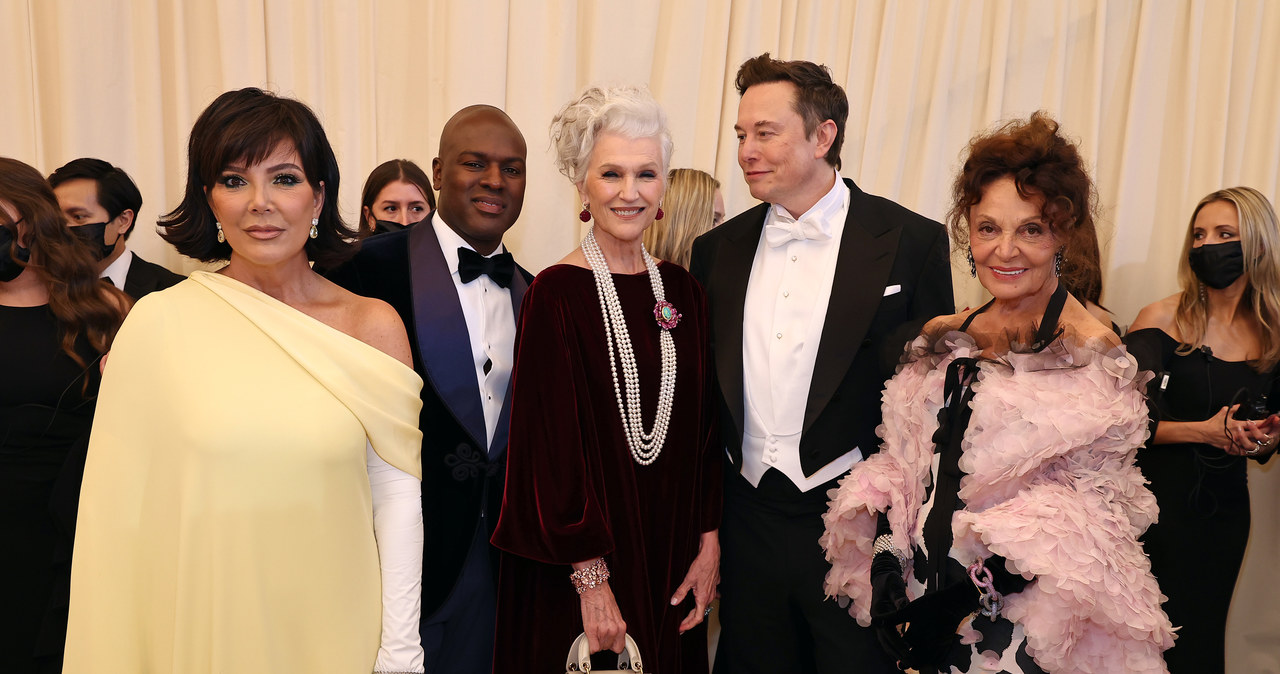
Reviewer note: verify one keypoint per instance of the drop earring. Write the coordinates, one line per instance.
(973, 266)
(222, 238)
(585, 215)
(659, 214)
(314, 232)
(1057, 263)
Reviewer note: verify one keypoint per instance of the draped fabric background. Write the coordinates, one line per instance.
(1169, 99)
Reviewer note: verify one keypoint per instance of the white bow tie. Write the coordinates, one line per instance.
(783, 230)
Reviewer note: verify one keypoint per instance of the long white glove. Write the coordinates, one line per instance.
(397, 526)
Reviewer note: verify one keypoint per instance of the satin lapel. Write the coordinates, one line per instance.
(730, 276)
(499, 445)
(443, 342)
(862, 272)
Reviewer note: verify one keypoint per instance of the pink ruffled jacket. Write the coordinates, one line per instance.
(1049, 483)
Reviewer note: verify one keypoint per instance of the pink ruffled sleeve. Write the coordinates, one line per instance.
(892, 479)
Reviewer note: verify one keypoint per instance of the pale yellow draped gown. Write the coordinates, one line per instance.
(225, 518)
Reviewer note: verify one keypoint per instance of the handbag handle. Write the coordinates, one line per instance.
(579, 659)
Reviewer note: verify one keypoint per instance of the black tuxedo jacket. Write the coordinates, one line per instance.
(864, 332)
(147, 277)
(461, 483)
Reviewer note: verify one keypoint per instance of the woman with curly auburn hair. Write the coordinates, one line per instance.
(56, 322)
(251, 498)
(1215, 349)
(996, 529)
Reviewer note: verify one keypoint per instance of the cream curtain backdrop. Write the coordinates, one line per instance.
(1169, 99)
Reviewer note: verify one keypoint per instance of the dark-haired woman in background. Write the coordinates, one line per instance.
(251, 500)
(396, 195)
(1087, 285)
(1215, 349)
(996, 529)
(56, 321)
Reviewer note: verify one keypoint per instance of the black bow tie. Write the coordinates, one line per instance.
(500, 267)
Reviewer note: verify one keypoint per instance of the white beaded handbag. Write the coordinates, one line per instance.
(579, 659)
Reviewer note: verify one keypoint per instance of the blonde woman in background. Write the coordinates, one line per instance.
(693, 206)
(1215, 352)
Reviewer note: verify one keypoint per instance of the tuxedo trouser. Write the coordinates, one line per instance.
(774, 614)
(458, 638)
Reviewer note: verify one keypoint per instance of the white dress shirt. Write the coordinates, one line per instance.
(491, 325)
(118, 271)
(783, 315)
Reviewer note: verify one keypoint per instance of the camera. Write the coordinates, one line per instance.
(1252, 409)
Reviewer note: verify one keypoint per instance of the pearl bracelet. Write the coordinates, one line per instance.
(590, 576)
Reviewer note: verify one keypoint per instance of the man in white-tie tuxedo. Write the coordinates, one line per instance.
(812, 296)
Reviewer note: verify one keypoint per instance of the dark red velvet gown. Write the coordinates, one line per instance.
(574, 492)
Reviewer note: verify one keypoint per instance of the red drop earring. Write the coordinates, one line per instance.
(585, 215)
(660, 214)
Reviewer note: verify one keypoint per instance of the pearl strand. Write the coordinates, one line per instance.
(645, 447)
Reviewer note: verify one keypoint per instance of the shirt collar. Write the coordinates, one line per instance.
(450, 242)
(117, 271)
(826, 211)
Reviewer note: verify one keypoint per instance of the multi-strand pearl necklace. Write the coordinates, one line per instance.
(645, 447)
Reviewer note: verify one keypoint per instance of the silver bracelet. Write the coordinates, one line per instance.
(884, 543)
(590, 576)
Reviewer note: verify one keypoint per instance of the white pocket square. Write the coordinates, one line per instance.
(892, 290)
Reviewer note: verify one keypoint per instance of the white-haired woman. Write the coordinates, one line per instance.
(1215, 349)
(612, 506)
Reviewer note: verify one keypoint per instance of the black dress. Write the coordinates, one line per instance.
(1197, 546)
(45, 416)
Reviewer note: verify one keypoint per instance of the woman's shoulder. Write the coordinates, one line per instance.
(373, 322)
(939, 325)
(556, 282)
(674, 275)
(1160, 315)
(1086, 326)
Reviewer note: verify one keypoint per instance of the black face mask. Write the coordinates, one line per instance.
(1217, 265)
(94, 234)
(381, 226)
(11, 263)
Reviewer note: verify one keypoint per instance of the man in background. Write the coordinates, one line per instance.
(101, 204)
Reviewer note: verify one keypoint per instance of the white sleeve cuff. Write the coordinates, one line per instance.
(397, 527)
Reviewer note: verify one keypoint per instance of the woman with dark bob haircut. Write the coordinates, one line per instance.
(56, 320)
(251, 497)
(396, 195)
(996, 529)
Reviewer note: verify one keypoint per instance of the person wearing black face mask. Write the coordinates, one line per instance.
(56, 321)
(101, 204)
(1212, 406)
(13, 256)
(397, 195)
